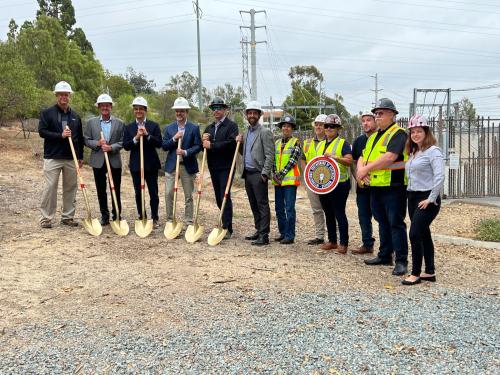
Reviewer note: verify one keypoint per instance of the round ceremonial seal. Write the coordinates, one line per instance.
(321, 175)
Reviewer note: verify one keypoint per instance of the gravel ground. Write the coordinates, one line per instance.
(420, 331)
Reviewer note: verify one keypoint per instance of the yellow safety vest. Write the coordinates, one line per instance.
(335, 148)
(382, 177)
(310, 151)
(281, 158)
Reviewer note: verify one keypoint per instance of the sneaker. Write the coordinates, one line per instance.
(69, 222)
(46, 223)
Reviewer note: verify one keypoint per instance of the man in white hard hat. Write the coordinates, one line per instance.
(112, 143)
(362, 190)
(189, 135)
(151, 135)
(309, 152)
(57, 123)
(258, 160)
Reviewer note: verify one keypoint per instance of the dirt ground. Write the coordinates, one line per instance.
(46, 274)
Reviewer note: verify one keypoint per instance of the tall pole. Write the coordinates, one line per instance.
(376, 88)
(200, 95)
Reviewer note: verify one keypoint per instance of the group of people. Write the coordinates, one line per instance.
(393, 172)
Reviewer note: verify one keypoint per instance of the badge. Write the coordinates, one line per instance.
(321, 175)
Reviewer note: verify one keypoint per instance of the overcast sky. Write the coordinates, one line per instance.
(409, 43)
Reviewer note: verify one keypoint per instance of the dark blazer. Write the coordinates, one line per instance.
(92, 135)
(151, 143)
(221, 152)
(50, 129)
(191, 142)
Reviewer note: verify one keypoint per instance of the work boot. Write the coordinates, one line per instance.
(363, 250)
(69, 222)
(400, 269)
(261, 241)
(342, 249)
(279, 238)
(328, 246)
(378, 262)
(286, 241)
(315, 241)
(252, 237)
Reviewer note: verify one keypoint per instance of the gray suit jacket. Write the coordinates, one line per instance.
(92, 135)
(262, 151)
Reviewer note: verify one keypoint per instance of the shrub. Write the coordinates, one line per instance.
(488, 230)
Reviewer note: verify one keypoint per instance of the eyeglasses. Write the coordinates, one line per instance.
(379, 113)
(331, 126)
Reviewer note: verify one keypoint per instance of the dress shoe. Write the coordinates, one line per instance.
(156, 224)
(418, 280)
(315, 241)
(363, 250)
(378, 262)
(342, 249)
(104, 221)
(261, 241)
(286, 241)
(69, 222)
(252, 237)
(228, 235)
(329, 246)
(400, 269)
(428, 278)
(279, 238)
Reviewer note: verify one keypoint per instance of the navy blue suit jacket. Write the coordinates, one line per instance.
(191, 143)
(151, 143)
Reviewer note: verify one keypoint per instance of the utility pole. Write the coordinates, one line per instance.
(253, 44)
(200, 94)
(376, 88)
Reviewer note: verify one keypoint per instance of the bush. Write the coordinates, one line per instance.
(488, 230)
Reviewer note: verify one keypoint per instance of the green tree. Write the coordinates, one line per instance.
(466, 110)
(61, 10)
(233, 96)
(139, 81)
(78, 35)
(117, 85)
(13, 30)
(19, 96)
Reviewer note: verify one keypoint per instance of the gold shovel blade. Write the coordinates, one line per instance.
(92, 226)
(216, 236)
(120, 227)
(193, 233)
(173, 229)
(143, 228)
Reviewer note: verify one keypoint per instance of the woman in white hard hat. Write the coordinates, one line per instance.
(425, 172)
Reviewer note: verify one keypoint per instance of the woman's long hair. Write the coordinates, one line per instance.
(429, 140)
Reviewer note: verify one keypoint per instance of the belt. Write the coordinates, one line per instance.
(251, 170)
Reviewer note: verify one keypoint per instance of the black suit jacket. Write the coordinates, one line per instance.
(221, 152)
(151, 143)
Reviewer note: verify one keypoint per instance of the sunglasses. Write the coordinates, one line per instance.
(331, 126)
(217, 108)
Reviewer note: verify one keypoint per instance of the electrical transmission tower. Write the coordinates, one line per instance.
(245, 80)
(376, 91)
(253, 52)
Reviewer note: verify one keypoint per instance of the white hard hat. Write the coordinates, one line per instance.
(320, 118)
(417, 120)
(181, 103)
(103, 98)
(255, 105)
(367, 113)
(140, 101)
(62, 86)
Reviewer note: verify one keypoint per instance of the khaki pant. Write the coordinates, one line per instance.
(52, 168)
(318, 214)
(187, 181)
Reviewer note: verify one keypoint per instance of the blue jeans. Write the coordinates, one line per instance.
(365, 217)
(389, 209)
(285, 210)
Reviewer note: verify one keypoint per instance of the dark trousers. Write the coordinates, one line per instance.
(101, 180)
(389, 209)
(219, 180)
(151, 179)
(420, 232)
(365, 216)
(333, 205)
(258, 197)
(284, 202)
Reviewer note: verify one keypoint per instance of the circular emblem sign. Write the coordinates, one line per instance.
(321, 175)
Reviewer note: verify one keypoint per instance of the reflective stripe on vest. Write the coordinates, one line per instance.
(335, 148)
(382, 177)
(310, 151)
(281, 158)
